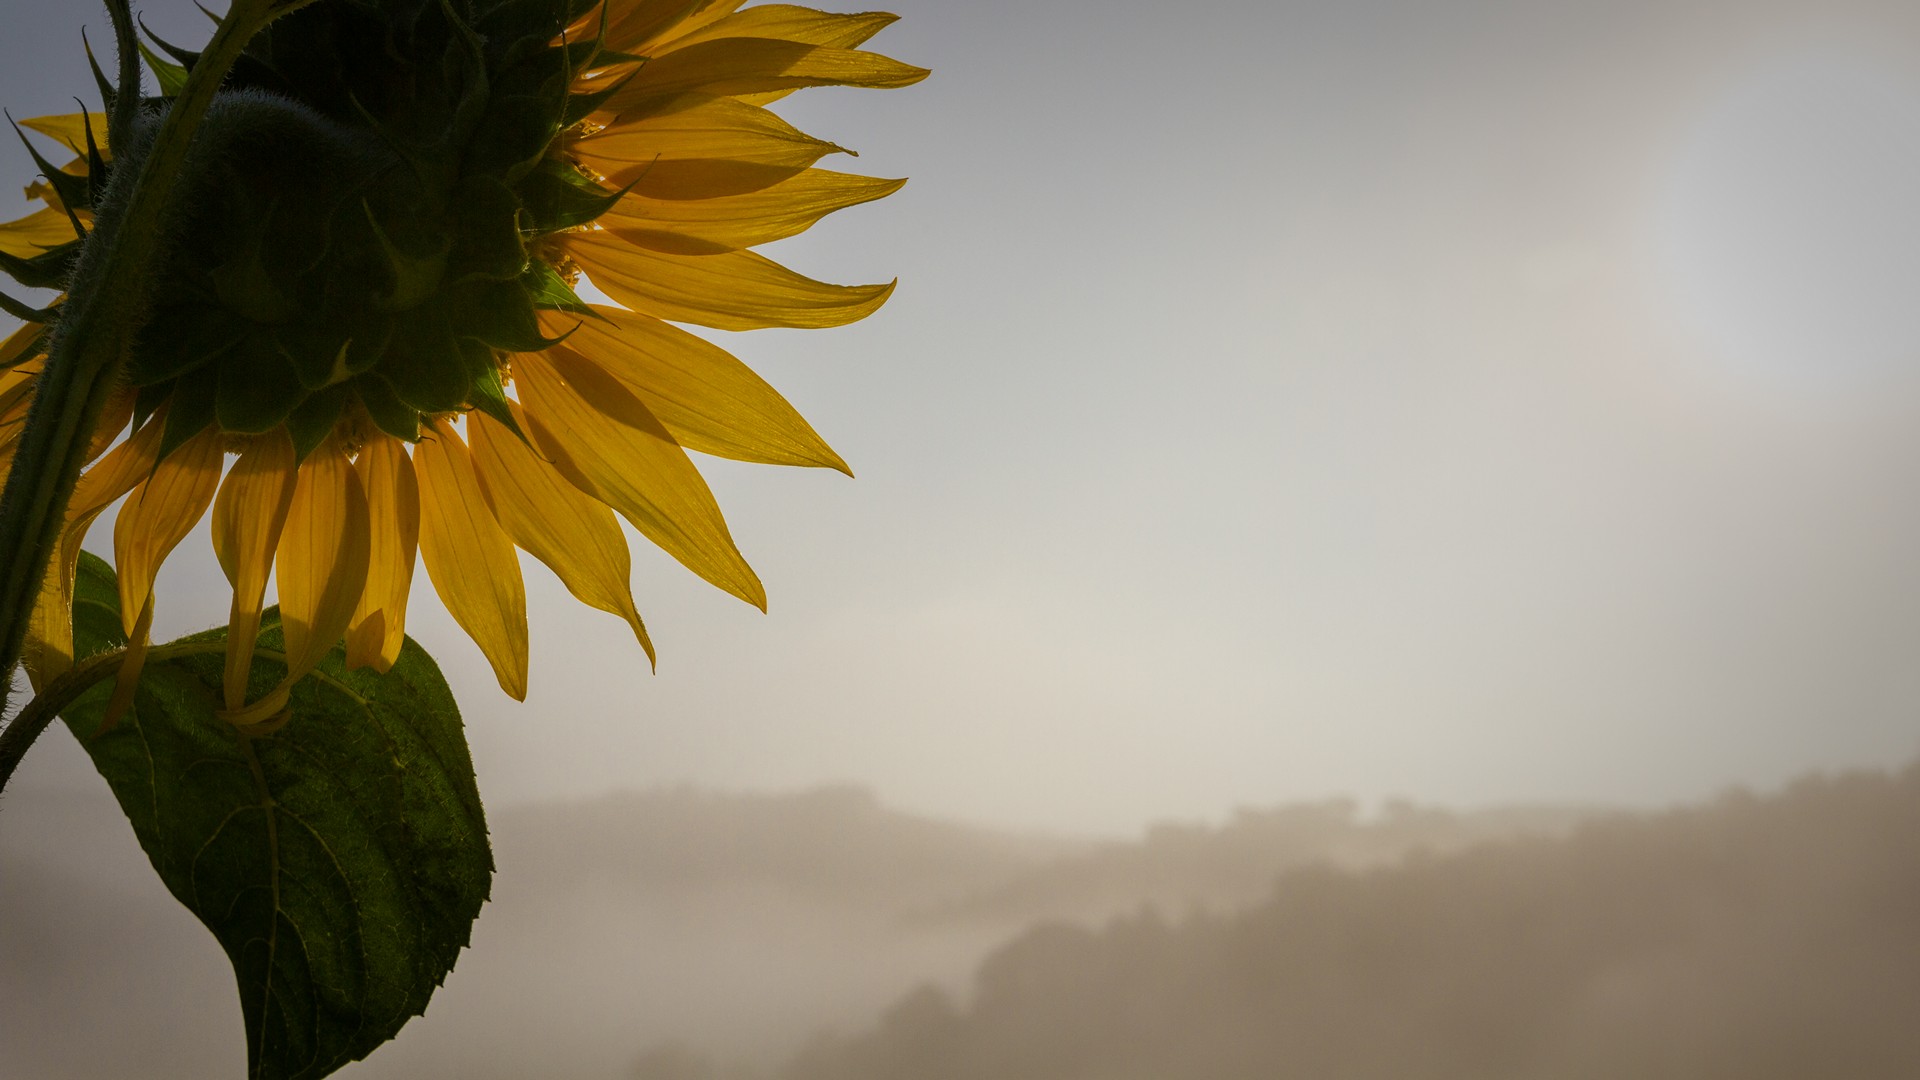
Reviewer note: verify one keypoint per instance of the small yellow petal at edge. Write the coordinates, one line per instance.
(49, 651)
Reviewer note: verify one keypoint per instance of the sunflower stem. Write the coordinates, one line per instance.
(37, 715)
(104, 310)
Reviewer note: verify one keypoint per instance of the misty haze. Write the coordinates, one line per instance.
(1383, 549)
(689, 935)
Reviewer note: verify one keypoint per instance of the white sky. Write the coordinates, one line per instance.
(1468, 400)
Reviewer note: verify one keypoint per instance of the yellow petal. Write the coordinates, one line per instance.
(247, 518)
(393, 509)
(552, 520)
(469, 558)
(17, 369)
(322, 557)
(839, 31)
(35, 233)
(49, 651)
(751, 65)
(603, 439)
(127, 679)
(49, 647)
(634, 24)
(117, 473)
(707, 399)
(159, 514)
(732, 222)
(788, 22)
(697, 146)
(71, 129)
(734, 290)
(16, 397)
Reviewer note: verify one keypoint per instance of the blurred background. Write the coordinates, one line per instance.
(1306, 434)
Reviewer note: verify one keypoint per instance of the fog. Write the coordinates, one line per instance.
(736, 926)
(1770, 938)
(1288, 407)
(681, 934)
(1291, 400)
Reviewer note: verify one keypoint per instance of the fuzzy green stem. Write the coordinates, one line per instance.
(56, 696)
(105, 307)
(48, 703)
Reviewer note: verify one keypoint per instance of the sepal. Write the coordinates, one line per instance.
(47, 270)
(314, 419)
(548, 290)
(558, 196)
(70, 189)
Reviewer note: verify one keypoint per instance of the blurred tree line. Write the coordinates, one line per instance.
(1749, 939)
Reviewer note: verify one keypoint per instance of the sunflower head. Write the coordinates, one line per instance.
(355, 228)
(366, 294)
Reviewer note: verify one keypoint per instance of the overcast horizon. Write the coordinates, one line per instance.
(1475, 402)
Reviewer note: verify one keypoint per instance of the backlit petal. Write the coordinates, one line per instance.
(21, 357)
(634, 25)
(708, 400)
(552, 520)
(789, 22)
(320, 566)
(393, 506)
(734, 290)
(159, 514)
(114, 417)
(49, 651)
(695, 146)
(748, 65)
(24, 338)
(247, 518)
(469, 558)
(619, 452)
(71, 129)
(322, 556)
(704, 226)
(35, 233)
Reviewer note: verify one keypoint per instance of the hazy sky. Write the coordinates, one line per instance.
(1475, 400)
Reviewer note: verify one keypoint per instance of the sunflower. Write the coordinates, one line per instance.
(368, 304)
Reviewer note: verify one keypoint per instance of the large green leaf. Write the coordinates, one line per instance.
(340, 861)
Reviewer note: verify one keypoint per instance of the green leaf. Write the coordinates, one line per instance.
(340, 861)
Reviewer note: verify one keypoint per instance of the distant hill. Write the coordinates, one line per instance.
(742, 921)
(1772, 938)
(1181, 867)
(832, 845)
(661, 925)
